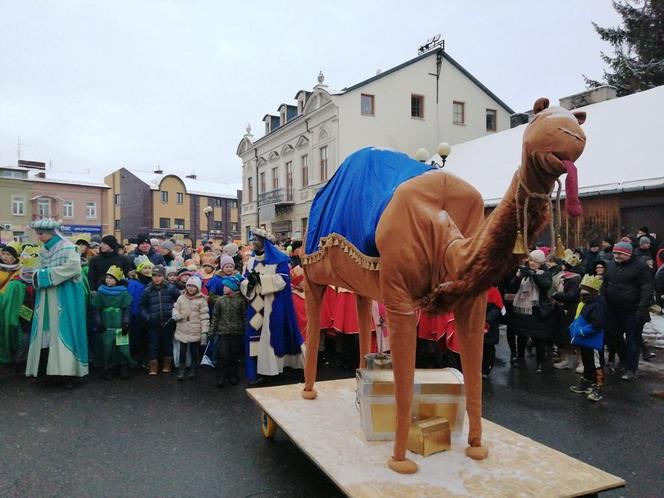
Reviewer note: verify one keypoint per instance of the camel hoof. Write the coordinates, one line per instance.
(312, 394)
(477, 452)
(404, 466)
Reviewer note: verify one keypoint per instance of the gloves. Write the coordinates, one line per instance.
(642, 315)
(125, 329)
(204, 339)
(253, 279)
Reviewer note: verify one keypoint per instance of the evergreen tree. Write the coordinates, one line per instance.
(638, 44)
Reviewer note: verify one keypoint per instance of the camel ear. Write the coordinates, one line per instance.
(580, 116)
(540, 104)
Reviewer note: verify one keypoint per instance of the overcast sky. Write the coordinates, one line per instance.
(99, 85)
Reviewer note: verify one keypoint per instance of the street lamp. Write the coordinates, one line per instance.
(208, 212)
(422, 155)
(443, 151)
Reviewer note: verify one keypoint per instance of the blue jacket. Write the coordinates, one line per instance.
(135, 289)
(587, 329)
(157, 303)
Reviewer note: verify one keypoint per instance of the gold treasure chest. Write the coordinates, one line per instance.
(437, 393)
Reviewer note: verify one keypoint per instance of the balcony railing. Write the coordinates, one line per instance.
(277, 196)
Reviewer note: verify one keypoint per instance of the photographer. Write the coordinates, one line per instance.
(532, 309)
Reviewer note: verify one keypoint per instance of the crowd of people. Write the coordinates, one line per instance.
(162, 306)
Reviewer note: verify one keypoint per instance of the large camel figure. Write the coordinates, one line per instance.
(425, 244)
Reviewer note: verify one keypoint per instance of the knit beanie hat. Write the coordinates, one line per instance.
(644, 240)
(195, 281)
(230, 249)
(10, 250)
(226, 260)
(623, 248)
(111, 241)
(538, 256)
(168, 245)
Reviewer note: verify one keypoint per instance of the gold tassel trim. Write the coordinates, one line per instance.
(336, 240)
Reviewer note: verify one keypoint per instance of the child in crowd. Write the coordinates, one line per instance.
(208, 266)
(190, 312)
(171, 275)
(183, 275)
(138, 338)
(156, 305)
(587, 332)
(111, 304)
(228, 322)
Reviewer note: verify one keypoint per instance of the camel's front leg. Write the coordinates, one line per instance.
(313, 300)
(364, 319)
(470, 317)
(403, 340)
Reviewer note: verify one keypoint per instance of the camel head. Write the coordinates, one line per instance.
(551, 143)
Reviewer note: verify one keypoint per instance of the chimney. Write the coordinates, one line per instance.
(192, 176)
(592, 96)
(158, 171)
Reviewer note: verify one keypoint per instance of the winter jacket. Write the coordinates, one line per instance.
(659, 286)
(228, 316)
(157, 303)
(539, 324)
(135, 288)
(111, 306)
(587, 329)
(100, 264)
(589, 260)
(153, 256)
(628, 286)
(192, 317)
(493, 318)
(568, 294)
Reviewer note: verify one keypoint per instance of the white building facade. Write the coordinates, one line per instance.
(420, 103)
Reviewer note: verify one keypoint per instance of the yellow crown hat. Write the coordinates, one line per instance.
(115, 272)
(591, 282)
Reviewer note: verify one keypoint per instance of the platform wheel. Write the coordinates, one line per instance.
(268, 426)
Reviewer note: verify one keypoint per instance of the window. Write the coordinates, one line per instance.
(232, 204)
(367, 104)
(179, 198)
(44, 207)
(117, 199)
(250, 189)
(234, 226)
(262, 185)
(289, 181)
(178, 223)
(91, 210)
(458, 113)
(217, 225)
(275, 178)
(304, 227)
(491, 119)
(305, 170)
(18, 205)
(164, 223)
(323, 163)
(417, 106)
(216, 202)
(164, 196)
(116, 224)
(67, 209)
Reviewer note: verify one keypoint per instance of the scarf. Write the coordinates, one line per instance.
(527, 297)
(116, 290)
(9, 268)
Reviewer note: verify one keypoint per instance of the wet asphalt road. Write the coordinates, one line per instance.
(157, 437)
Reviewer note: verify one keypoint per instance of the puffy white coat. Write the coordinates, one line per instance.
(192, 316)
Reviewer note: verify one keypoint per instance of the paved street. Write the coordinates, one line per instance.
(157, 437)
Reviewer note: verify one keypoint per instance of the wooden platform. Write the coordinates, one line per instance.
(328, 431)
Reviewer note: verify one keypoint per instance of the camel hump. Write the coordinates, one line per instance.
(351, 204)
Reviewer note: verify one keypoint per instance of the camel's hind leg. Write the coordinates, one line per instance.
(314, 300)
(364, 318)
(470, 317)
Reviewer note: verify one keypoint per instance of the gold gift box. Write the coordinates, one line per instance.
(436, 393)
(429, 436)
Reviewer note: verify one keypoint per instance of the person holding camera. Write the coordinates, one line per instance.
(532, 310)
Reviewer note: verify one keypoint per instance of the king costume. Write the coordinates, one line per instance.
(58, 323)
(272, 338)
